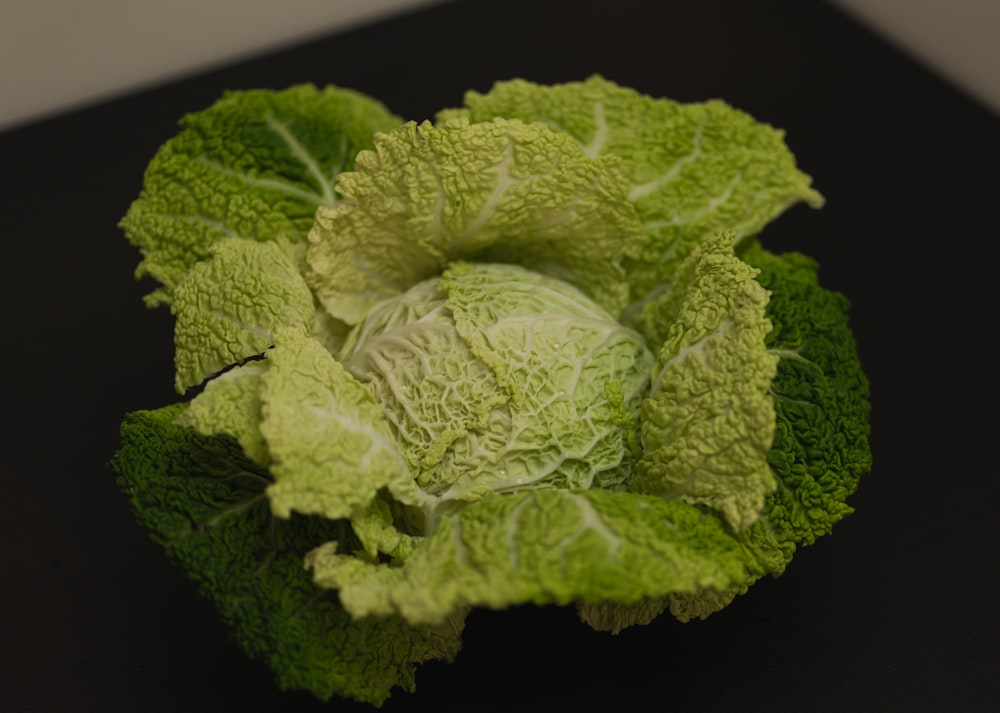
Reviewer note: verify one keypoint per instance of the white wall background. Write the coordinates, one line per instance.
(959, 39)
(57, 55)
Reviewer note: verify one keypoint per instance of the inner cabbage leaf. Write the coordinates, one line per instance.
(708, 420)
(497, 379)
(496, 191)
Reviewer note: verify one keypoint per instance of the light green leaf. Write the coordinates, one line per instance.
(708, 422)
(574, 375)
(228, 306)
(542, 547)
(497, 379)
(256, 164)
(230, 405)
(693, 169)
(375, 527)
(329, 442)
(500, 191)
(447, 412)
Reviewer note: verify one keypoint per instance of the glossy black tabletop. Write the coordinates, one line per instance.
(895, 611)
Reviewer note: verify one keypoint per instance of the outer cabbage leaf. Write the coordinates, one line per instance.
(821, 395)
(227, 307)
(542, 547)
(330, 444)
(501, 191)
(708, 422)
(204, 503)
(230, 405)
(821, 442)
(693, 169)
(376, 529)
(256, 165)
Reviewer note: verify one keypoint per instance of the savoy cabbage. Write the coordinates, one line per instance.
(532, 351)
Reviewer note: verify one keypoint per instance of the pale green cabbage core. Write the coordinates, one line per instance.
(495, 379)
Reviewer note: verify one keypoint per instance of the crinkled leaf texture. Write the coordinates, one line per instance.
(495, 191)
(228, 306)
(543, 547)
(496, 379)
(230, 405)
(708, 419)
(821, 396)
(205, 503)
(693, 169)
(254, 165)
(821, 443)
(329, 441)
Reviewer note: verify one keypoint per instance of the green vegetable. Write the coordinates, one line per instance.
(502, 385)
(531, 352)
(206, 504)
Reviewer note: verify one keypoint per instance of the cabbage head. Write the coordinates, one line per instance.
(533, 351)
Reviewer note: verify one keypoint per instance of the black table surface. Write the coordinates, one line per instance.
(896, 611)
